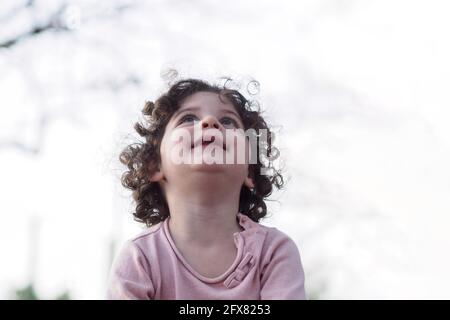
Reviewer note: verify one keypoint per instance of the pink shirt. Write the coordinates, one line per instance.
(267, 266)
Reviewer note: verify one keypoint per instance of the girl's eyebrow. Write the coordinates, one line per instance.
(233, 113)
(179, 111)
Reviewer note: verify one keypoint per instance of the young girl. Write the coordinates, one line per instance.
(203, 239)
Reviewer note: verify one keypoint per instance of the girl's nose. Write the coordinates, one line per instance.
(209, 122)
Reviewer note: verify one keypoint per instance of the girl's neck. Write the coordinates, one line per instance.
(202, 221)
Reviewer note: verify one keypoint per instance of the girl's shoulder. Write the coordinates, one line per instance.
(276, 239)
(148, 232)
(140, 244)
(272, 233)
(269, 238)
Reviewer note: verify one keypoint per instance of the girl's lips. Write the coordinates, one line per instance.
(204, 143)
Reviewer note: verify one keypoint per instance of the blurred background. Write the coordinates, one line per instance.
(356, 91)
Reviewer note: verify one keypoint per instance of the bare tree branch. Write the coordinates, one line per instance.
(33, 32)
(55, 22)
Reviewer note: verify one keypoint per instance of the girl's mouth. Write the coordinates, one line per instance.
(204, 142)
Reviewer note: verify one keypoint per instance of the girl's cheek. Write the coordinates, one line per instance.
(239, 146)
(177, 146)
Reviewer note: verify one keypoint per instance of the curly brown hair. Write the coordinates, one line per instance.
(142, 159)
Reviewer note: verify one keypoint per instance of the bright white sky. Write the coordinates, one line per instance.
(357, 90)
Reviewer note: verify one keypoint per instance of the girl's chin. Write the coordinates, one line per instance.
(228, 169)
(206, 162)
(214, 167)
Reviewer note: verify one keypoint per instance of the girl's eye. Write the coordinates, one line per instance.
(229, 122)
(189, 118)
(226, 121)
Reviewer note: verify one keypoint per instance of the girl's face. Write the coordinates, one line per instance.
(196, 142)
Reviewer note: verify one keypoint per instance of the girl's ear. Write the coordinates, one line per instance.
(249, 182)
(157, 176)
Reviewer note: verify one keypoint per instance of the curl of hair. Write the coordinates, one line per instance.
(142, 159)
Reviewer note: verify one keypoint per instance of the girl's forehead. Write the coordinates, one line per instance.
(209, 100)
